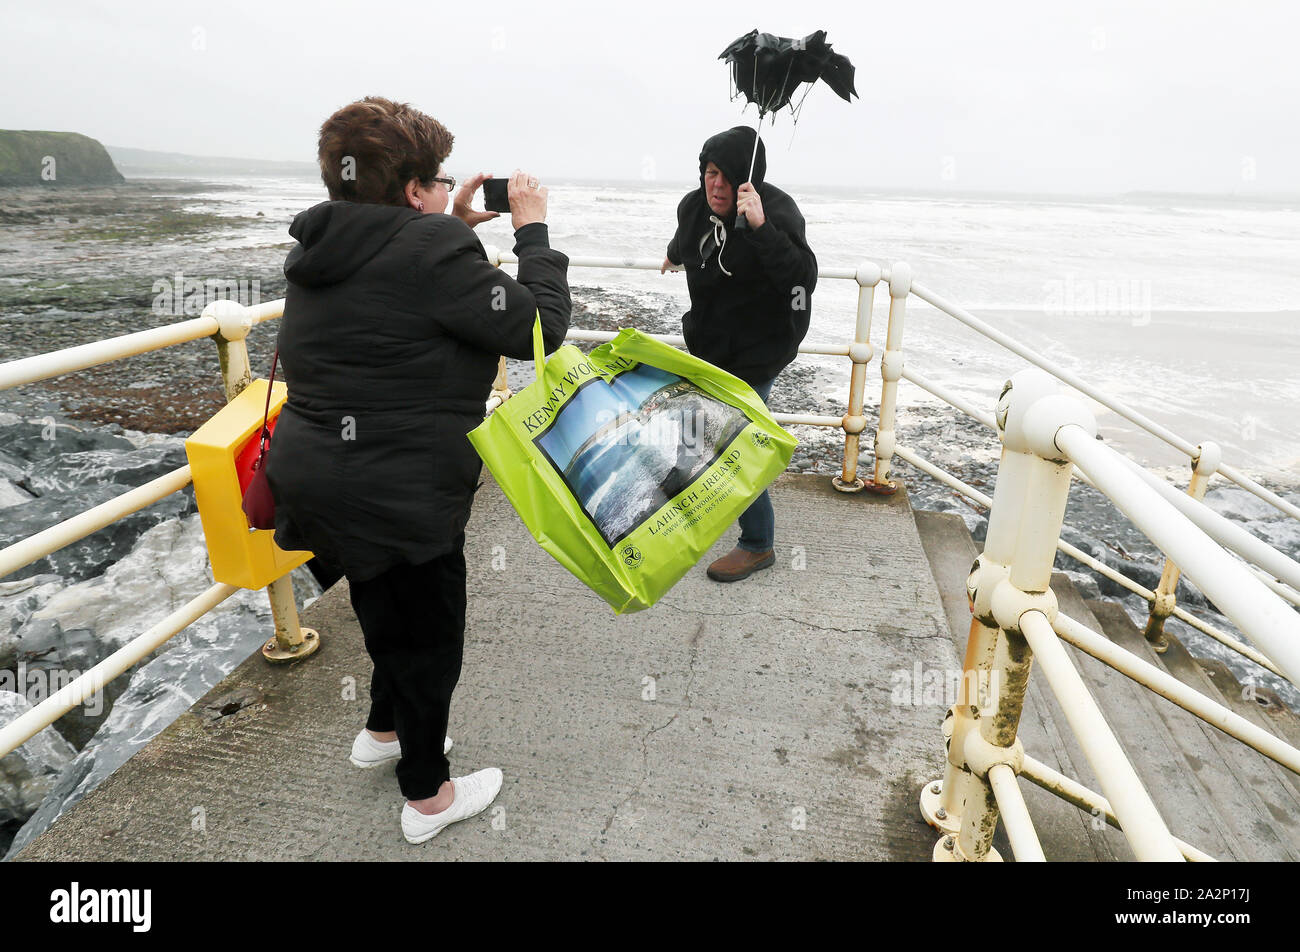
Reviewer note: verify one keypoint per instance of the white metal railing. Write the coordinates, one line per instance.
(227, 323)
(82, 689)
(26, 551)
(1071, 791)
(1015, 621)
(1169, 687)
(1251, 606)
(1101, 568)
(1137, 815)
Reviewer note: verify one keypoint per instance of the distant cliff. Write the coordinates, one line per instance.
(54, 158)
(143, 163)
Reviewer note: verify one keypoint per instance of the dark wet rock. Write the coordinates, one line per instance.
(30, 773)
(12, 468)
(133, 467)
(33, 441)
(65, 781)
(79, 725)
(1238, 504)
(19, 598)
(1085, 582)
(159, 692)
(90, 556)
(12, 494)
(43, 677)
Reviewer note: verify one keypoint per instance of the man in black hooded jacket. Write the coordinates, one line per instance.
(751, 295)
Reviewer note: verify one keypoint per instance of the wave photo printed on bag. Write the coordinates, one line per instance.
(628, 444)
(627, 464)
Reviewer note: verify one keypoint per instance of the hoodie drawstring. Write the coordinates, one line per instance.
(720, 239)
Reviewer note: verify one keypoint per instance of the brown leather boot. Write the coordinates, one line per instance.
(740, 563)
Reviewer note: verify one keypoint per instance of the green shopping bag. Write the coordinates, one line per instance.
(627, 464)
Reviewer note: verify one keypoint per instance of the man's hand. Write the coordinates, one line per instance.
(750, 205)
(462, 207)
(669, 266)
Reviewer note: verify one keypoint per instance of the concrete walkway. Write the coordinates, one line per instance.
(773, 733)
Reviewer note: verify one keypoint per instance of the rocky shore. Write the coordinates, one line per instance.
(65, 613)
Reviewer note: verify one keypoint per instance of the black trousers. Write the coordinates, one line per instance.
(413, 619)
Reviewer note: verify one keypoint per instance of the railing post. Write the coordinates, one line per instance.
(501, 385)
(1204, 465)
(291, 640)
(501, 391)
(1012, 575)
(234, 321)
(891, 369)
(860, 352)
(966, 800)
(945, 812)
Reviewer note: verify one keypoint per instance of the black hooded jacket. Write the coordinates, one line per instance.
(751, 322)
(392, 326)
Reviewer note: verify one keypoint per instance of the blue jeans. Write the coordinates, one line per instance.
(758, 522)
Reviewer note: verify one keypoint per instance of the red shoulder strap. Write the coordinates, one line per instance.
(266, 414)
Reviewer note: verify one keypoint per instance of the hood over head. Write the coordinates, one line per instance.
(731, 151)
(337, 238)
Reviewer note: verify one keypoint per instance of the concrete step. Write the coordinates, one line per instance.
(1205, 789)
(1241, 797)
(1259, 700)
(1213, 679)
(1066, 832)
(1155, 749)
(1151, 744)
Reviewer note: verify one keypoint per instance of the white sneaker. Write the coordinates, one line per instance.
(473, 794)
(368, 752)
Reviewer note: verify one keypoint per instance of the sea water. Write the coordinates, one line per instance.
(1185, 307)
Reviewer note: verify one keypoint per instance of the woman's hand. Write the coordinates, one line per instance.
(750, 205)
(527, 199)
(463, 206)
(669, 266)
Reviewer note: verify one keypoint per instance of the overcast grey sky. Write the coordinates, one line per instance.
(1022, 96)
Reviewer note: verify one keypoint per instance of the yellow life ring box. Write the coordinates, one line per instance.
(240, 555)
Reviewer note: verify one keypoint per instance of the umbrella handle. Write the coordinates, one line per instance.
(742, 223)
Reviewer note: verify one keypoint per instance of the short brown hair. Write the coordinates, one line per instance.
(370, 149)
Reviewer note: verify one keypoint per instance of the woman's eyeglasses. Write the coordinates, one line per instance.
(447, 181)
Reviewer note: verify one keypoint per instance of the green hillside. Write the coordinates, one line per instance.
(54, 158)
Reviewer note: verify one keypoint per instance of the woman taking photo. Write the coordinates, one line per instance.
(393, 322)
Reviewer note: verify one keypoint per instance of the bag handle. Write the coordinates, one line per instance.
(539, 347)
